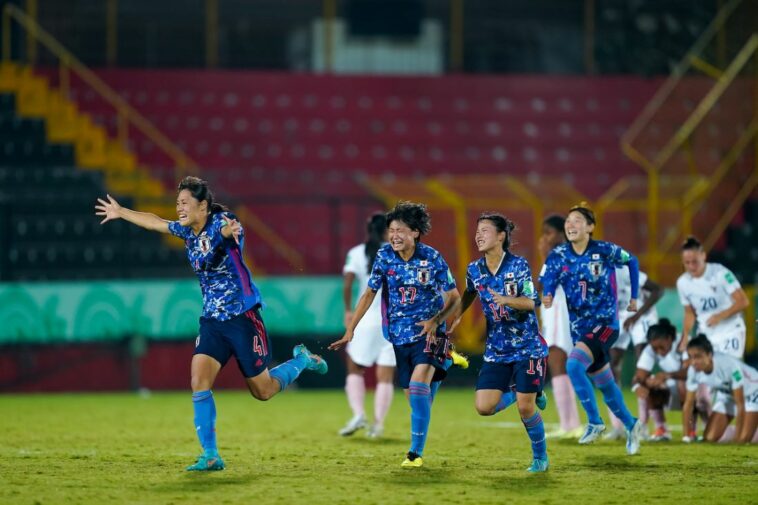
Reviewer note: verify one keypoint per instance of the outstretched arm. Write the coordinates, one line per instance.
(111, 210)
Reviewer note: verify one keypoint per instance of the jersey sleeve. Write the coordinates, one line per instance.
(643, 278)
(735, 374)
(442, 275)
(352, 262)
(680, 289)
(549, 273)
(646, 361)
(377, 273)
(691, 382)
(217, 224)
(178, 230)
(618, 256)
(731, 284)
(525, 283)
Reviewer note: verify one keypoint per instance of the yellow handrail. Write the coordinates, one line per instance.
(69, 61)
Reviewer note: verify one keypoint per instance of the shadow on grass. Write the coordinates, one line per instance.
(206, 482)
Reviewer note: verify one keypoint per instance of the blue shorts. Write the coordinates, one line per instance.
(528, 375)
(243, 336)
(600, 340)
(420, 353)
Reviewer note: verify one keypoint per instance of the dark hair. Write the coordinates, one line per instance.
(691, 244)
(198, 188)
(376, 226)
(414, 215)
(556, 222)
(584, 209)
(502, 223)
(662, 329)
(701, 342)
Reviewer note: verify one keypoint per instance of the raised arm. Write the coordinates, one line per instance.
(111, 210)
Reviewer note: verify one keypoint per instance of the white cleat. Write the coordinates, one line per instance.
(633, 438)
(353, 425)
(615, 434)
(592, 433)
(375, 431)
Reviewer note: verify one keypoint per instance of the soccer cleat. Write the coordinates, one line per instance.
(661, 434)
(615, 434)
(207, 463)
(592, 433)
(315, 362)
(541, 400)
(459, 359)
(412, 460)
(375, 431)
(353, 425)
(538, 465)
(633, 438)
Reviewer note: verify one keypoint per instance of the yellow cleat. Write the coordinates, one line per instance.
(459, 359)
(412, 460)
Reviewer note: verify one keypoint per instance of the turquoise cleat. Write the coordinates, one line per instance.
(315, 362)
(538, 465)
(541, 400)
(207, 463)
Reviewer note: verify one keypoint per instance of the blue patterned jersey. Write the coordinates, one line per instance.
(412, 290)
(226, 283)
(589, 281)
(512, 335)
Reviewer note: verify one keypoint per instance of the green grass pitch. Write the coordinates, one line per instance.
(124, 448)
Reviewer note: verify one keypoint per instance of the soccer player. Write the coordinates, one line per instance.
(586, 269)
(633, 328)
(556, 330)
(734, 386)
(368, 346)
(231, 323)
(712, 296)
(514, 351)
(418, 293)
(664, 389)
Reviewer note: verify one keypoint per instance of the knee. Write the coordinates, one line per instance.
(262, 395)
(712, 437)
(526, 411)
(198, 383)
(484, 410)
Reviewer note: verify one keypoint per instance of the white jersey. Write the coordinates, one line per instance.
(624, 295)
(556, 326)
(709, 294)
(728, 374)
(357, 263)
(672, 362)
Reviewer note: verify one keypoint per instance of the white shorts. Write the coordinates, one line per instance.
(556, 327)
(723, 402)
(636, 335)
(369, 347)
(731, 343)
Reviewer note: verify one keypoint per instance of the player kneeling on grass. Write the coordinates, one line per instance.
(515, 351)
(231, 323)
(734, 386)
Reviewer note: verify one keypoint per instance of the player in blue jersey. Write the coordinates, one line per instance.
(515, 351)
(585, 268)
(231, 323)
(418, 293)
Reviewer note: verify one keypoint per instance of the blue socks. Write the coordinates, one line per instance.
(535, 428)
(287, 372)
(576, 367)
(613, 397)
(421, 410)
(205, 420)
(506, 401)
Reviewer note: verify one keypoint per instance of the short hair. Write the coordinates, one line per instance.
(701, 342)
(502, 223)
(584, 209)
(415, 215)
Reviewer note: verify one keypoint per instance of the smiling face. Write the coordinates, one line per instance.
(577, 227)
(190, 211)
(700, 360)
(401, 237)
(487, 237)
(694, 262)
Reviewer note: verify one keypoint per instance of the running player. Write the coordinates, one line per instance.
(712, 296)
(231, 323)
(515, 351)
(368, 346)
(586, 270)
(418, 293)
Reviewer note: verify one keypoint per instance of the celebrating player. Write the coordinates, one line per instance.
(231, 323)
(418, 292)
(711, 295)
(515, 351)
(586, 270)
(368, 346)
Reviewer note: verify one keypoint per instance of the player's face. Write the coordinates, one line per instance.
(694, 262)
(549, 239)
(189, 210)
(577, 228)
(401, 237)
(487, 237)
(700, 360)
(661, 346)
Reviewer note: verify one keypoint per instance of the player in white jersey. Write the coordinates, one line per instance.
(664, 389)
(368, 346)
(633, 328)
(735, 391)
(556, 330)
(712, 296)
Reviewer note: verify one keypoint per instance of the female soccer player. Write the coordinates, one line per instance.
(711, 294)
(664, 389)
(418, 293)
(231, 323)
(586, 270)
(514, 351)
(734, 386)
(556, 330)
(368, 347)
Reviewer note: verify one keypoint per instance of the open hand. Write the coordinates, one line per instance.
(235, 228)
(110, 209)
(339, 344)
